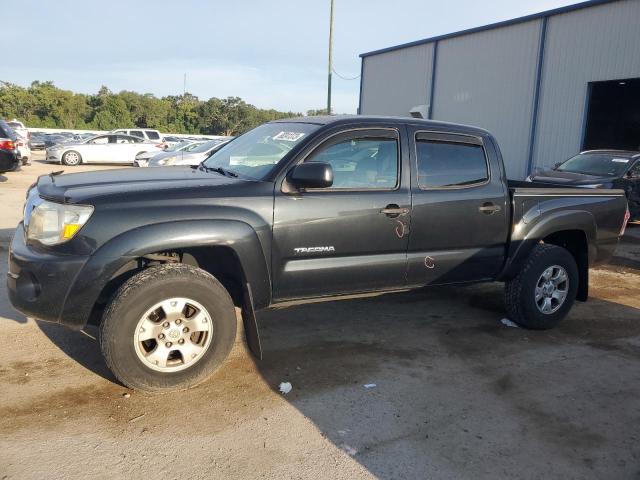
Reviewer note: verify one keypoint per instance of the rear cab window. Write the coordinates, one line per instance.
(151, 135)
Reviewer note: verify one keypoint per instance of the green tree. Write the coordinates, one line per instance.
(42, 104)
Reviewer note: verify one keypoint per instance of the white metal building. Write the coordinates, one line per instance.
(547, 85)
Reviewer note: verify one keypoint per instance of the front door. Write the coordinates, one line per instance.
(353, 236)
(459, 218)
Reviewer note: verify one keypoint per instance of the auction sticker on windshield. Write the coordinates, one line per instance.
(289, 136)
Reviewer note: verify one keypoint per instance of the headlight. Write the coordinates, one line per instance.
(52, 223)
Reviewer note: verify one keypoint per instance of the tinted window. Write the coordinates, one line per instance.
(137, 133)
(450, 164)
(361, 163)
(151, 135)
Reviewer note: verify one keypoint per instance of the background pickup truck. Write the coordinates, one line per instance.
(292, 210)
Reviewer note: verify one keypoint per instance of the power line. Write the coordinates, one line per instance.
(345, 78)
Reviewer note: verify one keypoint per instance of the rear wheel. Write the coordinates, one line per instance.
(167, 328)
(71, 158)
(544, 290)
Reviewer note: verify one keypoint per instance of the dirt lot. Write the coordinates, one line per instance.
(457, 394)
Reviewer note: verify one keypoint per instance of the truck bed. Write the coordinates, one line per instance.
(601, 212)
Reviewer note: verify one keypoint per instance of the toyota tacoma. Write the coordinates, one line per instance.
(292, 210)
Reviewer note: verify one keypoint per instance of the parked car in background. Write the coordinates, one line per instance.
(109, 148)
(194, 157)
(142, 159)
(37, 141)
(170, 140)
(24, 151)
(19, 128)
(52, 139)
(598, 169)
(147, 134)
(9, 159)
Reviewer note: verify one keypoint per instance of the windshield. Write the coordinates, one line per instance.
(255, 153)
(595, 164)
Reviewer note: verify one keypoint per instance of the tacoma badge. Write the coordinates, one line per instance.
(314, 249)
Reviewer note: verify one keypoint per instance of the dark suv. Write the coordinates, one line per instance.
(9, 160)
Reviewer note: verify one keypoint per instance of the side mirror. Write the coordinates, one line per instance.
(311, 175)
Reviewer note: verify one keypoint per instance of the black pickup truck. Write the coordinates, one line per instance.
(292, 210)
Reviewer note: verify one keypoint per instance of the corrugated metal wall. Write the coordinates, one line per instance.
(396, 81)
(487, 79)
(597, 43)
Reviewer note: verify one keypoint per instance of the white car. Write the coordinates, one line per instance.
(108, 148)
(24, 150)
(22, 143)
(19, 128)
(145, 133)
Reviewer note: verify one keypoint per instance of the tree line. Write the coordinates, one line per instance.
(44, 105)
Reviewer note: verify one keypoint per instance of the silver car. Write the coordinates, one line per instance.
(109, 148)
(193, 157)
(142, 160)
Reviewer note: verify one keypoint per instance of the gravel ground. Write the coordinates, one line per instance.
(457, 394)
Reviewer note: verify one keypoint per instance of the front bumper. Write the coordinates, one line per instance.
(39, 282)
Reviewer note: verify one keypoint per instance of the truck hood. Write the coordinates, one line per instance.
(88, 186)
(556, 177)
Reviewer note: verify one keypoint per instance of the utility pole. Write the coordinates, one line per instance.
(330, 59)
(184, 85)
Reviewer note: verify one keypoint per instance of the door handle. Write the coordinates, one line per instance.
(489, 208)
(394, 211)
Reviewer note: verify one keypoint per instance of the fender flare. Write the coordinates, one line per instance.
(526, 235)
(105, 262)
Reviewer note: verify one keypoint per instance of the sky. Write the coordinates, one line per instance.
(272, 53)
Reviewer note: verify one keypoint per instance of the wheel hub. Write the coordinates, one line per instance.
(552, 289)
(173, 334)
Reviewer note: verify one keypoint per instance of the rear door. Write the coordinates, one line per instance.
(353, 236)
(459, 213)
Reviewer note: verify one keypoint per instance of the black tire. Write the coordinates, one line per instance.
(520, 291)
(143, 291)
(66, 158)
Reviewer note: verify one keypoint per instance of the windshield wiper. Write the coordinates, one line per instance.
(221, 171)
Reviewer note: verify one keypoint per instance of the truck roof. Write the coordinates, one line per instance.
(355, 119)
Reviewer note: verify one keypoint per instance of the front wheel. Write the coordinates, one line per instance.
(544, 290)
(167, 328)
(71, 158)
